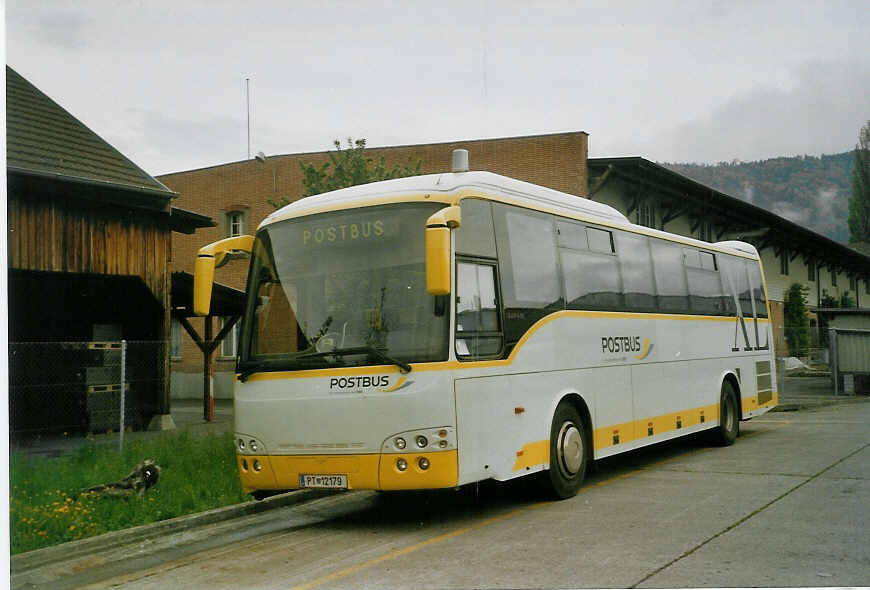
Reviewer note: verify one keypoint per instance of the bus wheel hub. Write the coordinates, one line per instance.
(570, 447)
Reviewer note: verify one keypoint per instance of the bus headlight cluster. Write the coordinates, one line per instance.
(428, 439)
(246, 445)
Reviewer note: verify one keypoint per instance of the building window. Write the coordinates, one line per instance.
(646, 215)
(705, 231)
(175, 340)
(853, 283)
(833, 278)
(235, 224)
(811, 271)
(783, 263)
(867, 286)
(229, 345)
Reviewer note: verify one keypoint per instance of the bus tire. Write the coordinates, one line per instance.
(568, 453)
(729, 418)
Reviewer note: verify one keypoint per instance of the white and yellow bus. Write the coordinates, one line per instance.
(438, 330)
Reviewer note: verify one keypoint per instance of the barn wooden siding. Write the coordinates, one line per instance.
(53, 234)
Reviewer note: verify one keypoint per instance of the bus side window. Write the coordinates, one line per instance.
(670, 277)
(706, 294)
(528, 268)
(475, 236)
(591, 280)
(478, 329)
(757, 289)
(736, 283)
(636, 269)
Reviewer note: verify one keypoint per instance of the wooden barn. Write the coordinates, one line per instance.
(88, 258)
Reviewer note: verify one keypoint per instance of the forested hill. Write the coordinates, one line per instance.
(809, 190)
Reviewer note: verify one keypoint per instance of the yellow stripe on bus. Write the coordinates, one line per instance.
(538, 452)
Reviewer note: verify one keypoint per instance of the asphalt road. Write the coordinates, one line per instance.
(787, 505)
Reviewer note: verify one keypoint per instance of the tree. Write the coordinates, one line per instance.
(859, 202)
(347, 167)
(795, 320)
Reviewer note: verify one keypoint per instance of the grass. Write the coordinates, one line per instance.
(46, 507)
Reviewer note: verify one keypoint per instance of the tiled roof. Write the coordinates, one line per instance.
(42, 138)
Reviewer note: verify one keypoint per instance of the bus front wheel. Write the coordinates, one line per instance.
(729, 417)
(568, 454)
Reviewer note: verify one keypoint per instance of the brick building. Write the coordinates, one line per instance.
(237, 196)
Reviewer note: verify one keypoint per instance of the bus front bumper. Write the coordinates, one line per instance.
(375, 471)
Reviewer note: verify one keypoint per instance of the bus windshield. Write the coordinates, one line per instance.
(344, 288)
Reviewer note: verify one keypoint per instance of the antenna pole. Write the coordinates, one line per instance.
(248, 103)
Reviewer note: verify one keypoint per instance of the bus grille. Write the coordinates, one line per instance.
(762, 377)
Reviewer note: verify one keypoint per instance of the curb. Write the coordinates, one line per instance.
(819, 402)
(24, 562)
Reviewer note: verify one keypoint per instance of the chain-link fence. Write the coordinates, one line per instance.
(80, 387)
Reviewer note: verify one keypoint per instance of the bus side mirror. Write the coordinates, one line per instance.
(207, 259)
(438, 228)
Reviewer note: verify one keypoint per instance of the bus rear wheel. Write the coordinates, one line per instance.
(568, 454)
(729, 418)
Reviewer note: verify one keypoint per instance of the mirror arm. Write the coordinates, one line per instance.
(207, 259)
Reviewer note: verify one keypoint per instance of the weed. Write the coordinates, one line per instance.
(48, 508)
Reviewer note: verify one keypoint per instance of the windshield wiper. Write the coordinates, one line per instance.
(248, 368)
(403, 367)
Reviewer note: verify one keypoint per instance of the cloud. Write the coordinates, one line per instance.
(160, 143)
(60, 28)
(821, 113)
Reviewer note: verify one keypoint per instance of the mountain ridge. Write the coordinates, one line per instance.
(812, 191)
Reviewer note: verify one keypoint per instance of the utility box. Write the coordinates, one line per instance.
(849, 342)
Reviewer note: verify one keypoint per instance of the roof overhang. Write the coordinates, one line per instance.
(24, 181)
(225, 301)
(187, 222)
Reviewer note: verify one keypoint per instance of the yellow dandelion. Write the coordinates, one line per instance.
(72, 527)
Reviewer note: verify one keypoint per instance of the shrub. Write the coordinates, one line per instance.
(795, 320)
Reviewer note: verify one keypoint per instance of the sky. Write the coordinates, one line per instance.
(164, 81)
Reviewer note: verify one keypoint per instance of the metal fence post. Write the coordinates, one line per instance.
(835, 369)
(123, 392)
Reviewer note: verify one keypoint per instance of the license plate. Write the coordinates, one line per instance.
(323, 481)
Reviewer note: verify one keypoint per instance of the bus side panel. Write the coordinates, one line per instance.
(503, 427)
(488, 427)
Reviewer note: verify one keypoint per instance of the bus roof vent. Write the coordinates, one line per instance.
(460, 161)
